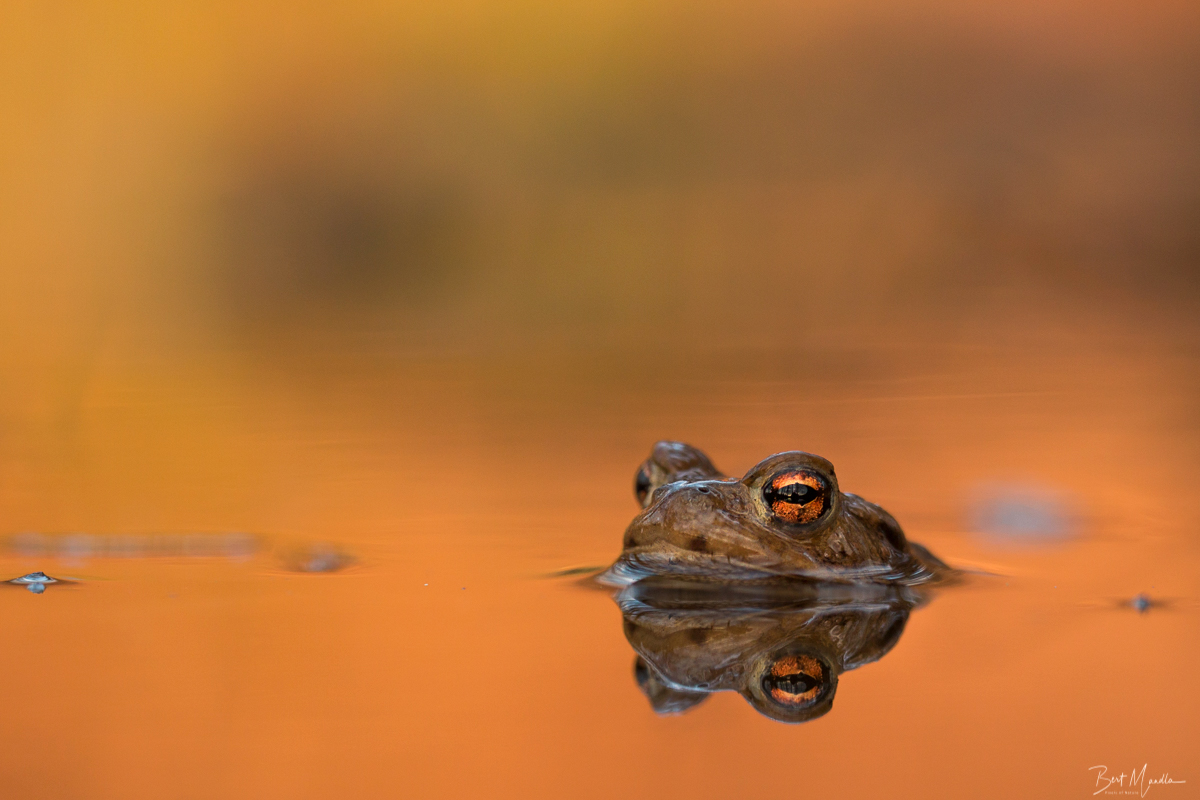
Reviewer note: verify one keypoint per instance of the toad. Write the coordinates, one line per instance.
(785, 520)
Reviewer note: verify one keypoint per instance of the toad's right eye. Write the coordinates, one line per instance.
(797, 496)
(641, 484)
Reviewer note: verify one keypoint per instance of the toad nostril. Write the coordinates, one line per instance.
(703, 489)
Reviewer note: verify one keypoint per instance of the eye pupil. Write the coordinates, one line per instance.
(798, 493)
(791, 684)
(797, 496)
(794, 493)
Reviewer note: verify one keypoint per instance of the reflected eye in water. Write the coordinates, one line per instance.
(641, 484)
(796, 687)
(797, 496)
(794, 680)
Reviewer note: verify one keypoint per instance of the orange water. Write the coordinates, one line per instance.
(444, 662)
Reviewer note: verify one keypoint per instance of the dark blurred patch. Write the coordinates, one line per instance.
(896, 170)
(309, 235)
(1026, 162)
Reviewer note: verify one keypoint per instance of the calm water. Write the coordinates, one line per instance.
(336, 576)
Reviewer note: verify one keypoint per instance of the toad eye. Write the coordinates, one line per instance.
(641, 484)
(795, 680)
(797, 496)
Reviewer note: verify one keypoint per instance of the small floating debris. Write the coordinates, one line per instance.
(316, 557)
(1142, 603)
(35, 582)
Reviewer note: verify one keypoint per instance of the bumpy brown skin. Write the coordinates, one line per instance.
(698, 524)
(670, 462)
(687, 651)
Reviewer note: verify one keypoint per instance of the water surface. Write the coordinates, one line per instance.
(308, 582)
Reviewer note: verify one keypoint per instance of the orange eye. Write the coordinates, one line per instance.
(797, 496)
(794, 680)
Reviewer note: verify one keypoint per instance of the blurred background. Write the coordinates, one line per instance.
(422, 283)
(255, 187)
(472, 174)
(257, 195)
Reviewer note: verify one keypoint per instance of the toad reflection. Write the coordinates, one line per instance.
(783, 655)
